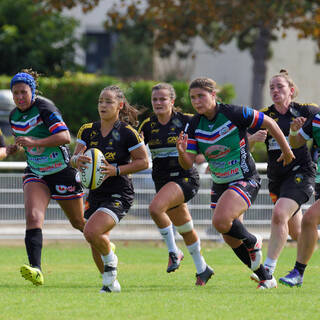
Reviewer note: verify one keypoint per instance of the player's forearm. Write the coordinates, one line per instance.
(186, 160)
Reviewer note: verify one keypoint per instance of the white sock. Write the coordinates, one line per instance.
(108, 258)
(168, 237)
(198, 259)
(270, 264)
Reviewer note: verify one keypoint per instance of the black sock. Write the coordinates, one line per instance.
(33, 241)
(239, 231)
(262, 273)
(300, 267)
(242, 254)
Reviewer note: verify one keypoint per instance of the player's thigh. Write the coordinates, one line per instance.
(99, 223)
(169, 196)
(294, 225)
(36, 201)
(73, 209)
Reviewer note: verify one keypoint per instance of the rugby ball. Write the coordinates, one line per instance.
(91, 176)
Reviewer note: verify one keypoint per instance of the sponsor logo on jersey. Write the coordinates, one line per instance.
(240, 182)
(217, 152)
(232, 162)
(93, 134)
(154, 142)
(93, 143)
(49, 168)
(253, 183)
(243, 157)
(116, 135)
(228, 173)
(64, 189)
(218, 165)
(36, 151)
(177, 123)
(223, 131)
(55, 116)
(117, 203)
(155, 130)
(172, 139)
(247, 112)
(298, 178)
(110, 156)
(54, 155)
(39, 159)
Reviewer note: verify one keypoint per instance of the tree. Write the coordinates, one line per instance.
(134, 46)
(32, 38)
(252, 23)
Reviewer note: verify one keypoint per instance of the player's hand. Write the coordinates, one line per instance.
(108, 169)
(11, 149)
(297, 123)
(27, 142)
(287, 158)
(182, 142)
(80, 160)
(259, 136)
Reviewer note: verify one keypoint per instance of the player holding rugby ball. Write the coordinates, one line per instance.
(124, 153)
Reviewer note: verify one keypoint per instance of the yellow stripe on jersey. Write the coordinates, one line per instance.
(264, 109)
(142, 124)
(309, 104)
(83, 127)
(135, 132)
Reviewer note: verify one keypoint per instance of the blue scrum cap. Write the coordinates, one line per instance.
(25, 78)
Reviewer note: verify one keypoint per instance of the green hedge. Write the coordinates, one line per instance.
(76, 95)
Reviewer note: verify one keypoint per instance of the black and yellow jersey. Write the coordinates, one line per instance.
(302, 154)
(116, 147)
(161, 140)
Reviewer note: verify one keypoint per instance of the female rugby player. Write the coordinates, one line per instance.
(219, 131)
(308, 238)
(125, 153)
(292, 185)
(39, 128)
(174, 185)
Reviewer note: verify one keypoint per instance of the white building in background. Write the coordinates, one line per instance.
(229, 66)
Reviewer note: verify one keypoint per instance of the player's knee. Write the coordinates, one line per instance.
(309, 219)
(154, 209)
(89, 234)
(220, 224)
(279, 217)
(78, 224)
(185, 228)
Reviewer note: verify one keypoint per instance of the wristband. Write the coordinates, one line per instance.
(117, 171)
(74, 160)
(293, 133)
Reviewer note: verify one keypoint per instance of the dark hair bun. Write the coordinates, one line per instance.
(284, 71)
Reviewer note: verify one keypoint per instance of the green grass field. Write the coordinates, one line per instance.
(71, 289)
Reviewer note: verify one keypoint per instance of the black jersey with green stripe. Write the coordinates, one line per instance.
(2, 144)
(41, 120)
(311, 129)
(223, 141)
(116, 147)
(302, 155)
(161, 140)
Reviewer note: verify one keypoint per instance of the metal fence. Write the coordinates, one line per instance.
(137, 224)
